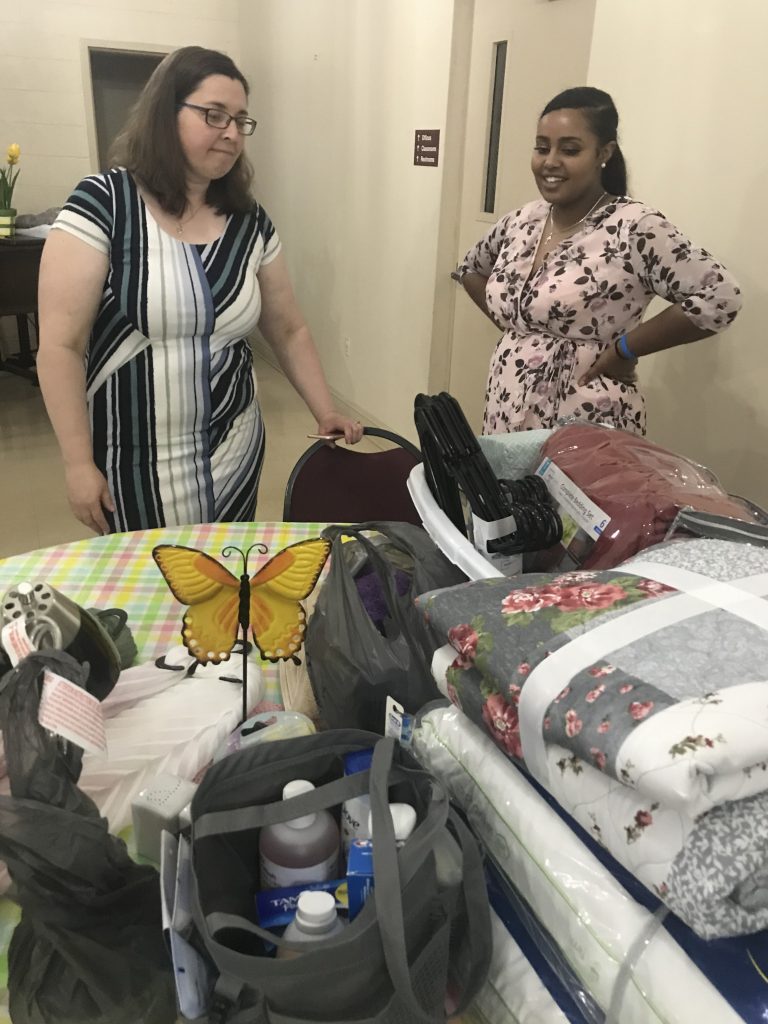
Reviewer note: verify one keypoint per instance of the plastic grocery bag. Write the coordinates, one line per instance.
(89, 946)
(352, 665)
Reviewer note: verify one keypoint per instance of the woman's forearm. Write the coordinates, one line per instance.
(300, 362)
(668, 329)
(61, 373)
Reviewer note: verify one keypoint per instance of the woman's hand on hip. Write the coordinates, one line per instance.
(88, 494)
(610, 364)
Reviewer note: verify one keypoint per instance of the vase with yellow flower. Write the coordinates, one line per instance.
(8, 177)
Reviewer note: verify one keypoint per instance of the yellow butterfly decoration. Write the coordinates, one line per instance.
(219, 603)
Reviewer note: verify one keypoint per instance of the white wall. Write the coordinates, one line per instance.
(44, 100)
(690, 78)
(337, 110)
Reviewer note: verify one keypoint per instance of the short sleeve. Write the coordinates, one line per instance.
(669, 265)
(270, 240)
(88, 214)
(481, 257)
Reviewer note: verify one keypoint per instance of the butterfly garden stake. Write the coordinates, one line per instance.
(220, 604)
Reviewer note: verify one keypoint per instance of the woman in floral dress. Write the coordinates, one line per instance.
(568, 278)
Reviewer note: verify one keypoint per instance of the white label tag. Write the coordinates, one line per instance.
(169, 861)
(573, 500)
(354, 819)
(483, 531)
(398, 723)
(182, 899)
(15, 641)
(73, 713)
(194, 978)
(17, 645)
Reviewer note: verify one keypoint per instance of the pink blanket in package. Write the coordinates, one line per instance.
(640, 488)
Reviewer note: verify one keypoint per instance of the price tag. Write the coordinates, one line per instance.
(16, 641)
(65, 708)
(72, 712)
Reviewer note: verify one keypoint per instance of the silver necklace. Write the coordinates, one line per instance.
(562, 231)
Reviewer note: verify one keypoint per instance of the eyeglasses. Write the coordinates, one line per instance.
(217, 118)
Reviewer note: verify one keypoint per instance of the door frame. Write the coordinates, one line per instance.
(444, 298)
(106, 46)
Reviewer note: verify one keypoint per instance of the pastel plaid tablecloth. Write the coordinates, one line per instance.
(119, 572)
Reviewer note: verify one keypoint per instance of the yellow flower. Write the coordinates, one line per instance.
(14, 152)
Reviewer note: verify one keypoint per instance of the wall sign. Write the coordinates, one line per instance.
(426, 148)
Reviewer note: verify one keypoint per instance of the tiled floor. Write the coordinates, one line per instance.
(34, 511)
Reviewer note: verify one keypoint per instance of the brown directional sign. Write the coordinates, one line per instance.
(426, 148)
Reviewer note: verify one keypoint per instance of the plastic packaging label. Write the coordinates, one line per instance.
(398, 723)
(484, 531)
(16, 641)
(73, 713)
(276, 908)
(65, 709)
(193, 976)
(354, 819)
(572, 500)
(442, 660)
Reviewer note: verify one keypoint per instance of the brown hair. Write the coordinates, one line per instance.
(149, 145)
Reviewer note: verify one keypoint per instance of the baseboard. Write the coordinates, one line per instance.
(345, 407)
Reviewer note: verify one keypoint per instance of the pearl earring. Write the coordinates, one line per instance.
(603, 164)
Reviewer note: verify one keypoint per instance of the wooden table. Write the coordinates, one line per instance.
(19, 269)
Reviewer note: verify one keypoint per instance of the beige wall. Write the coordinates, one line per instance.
(689, 78)
(45, 106)
(338, 87)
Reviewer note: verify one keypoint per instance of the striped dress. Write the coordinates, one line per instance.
(176, 427)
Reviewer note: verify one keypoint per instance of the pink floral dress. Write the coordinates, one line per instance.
(594, 286)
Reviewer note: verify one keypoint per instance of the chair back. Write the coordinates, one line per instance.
(340, 485)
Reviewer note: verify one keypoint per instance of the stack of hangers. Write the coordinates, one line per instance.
(454, 463)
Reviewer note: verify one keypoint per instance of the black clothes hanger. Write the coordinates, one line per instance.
(453, 460)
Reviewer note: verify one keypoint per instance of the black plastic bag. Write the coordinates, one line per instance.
(89, 946)
(353, 668)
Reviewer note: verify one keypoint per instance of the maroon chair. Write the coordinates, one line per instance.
(341, 485)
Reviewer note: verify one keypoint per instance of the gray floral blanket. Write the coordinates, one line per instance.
(639, 698)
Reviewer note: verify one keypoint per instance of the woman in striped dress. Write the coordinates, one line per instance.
(152, 279)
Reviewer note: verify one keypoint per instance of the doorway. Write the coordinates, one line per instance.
(117, 79)
(522, 54)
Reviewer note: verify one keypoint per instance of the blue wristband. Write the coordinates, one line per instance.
(623, 349)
